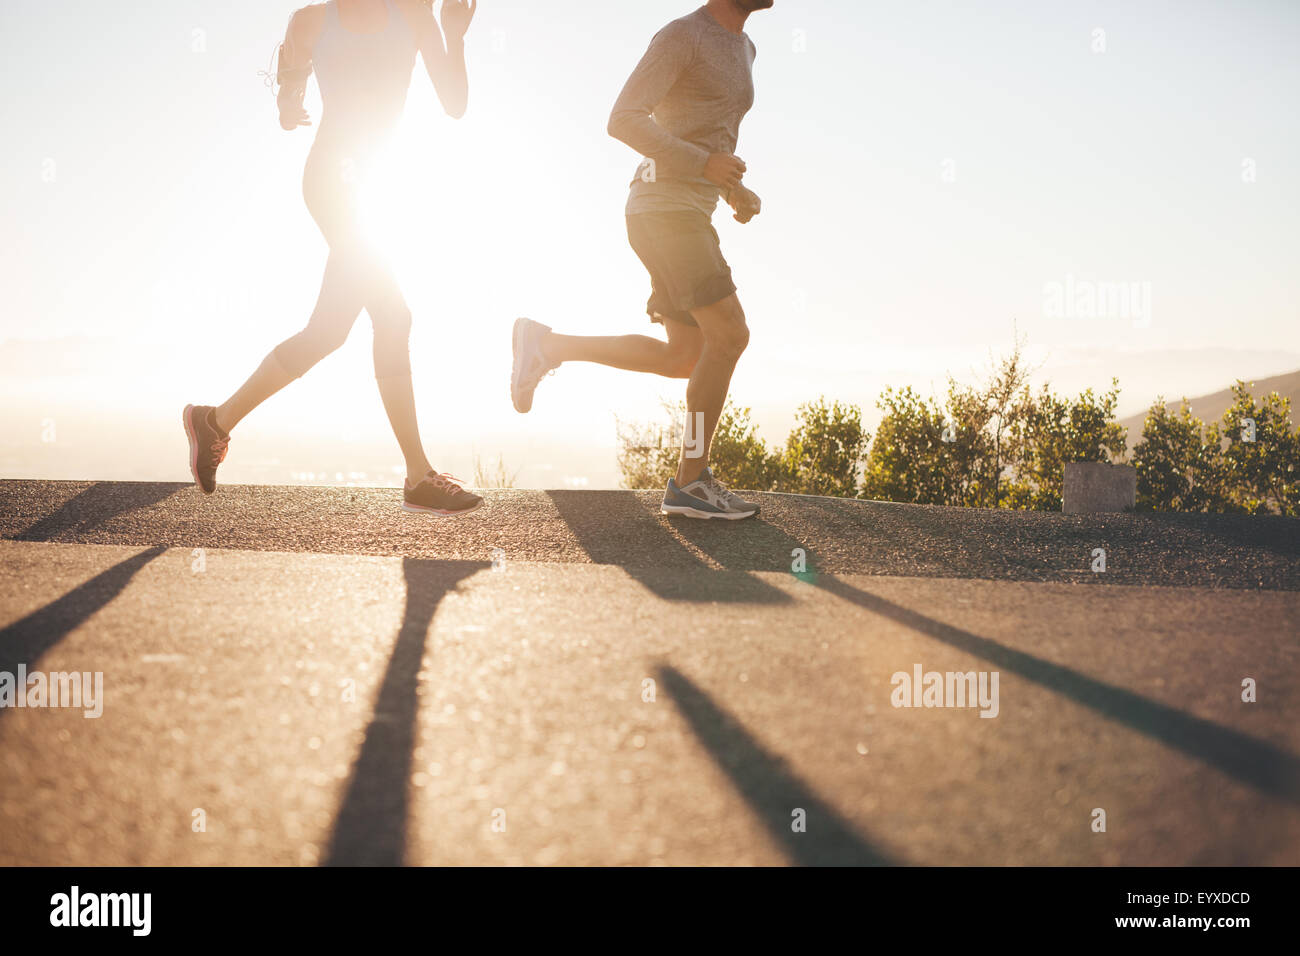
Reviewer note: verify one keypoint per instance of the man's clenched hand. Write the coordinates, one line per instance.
(724, 170)
(745, 202)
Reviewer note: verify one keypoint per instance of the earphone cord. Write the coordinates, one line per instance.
(273, 75)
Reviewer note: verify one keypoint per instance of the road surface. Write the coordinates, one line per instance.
(308, 676)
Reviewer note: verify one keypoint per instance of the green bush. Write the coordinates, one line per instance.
(910, 459)
(1050, 431)
(825, 451)
(1178, 462)
(1248, 462)
(648, 454)
(995, 445)
(1260, 454)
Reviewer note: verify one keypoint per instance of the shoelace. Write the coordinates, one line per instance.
(219, 448)
(445, 481)
(539, 372)
(725, 495)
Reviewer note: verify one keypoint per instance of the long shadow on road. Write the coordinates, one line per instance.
(370, 827)
(1252, 761)
(1255, 762)
(1160, 549)
(26, 640)
(623, 532)
(773, 791)
(96, 505)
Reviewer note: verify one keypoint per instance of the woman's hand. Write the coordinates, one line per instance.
(292, 115)
(456, 17)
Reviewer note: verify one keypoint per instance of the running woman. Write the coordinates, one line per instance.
(681, 109)
(363, 54)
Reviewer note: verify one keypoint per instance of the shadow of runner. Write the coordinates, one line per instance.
(755, 544)
(1266, 532)
(24, 641)
(370, 827)
(1253, 550)
(945, 542)
(623, 532)
(101, 502)
(1255, 762)
(771, 790)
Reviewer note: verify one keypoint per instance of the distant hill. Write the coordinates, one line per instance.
(1210, 408)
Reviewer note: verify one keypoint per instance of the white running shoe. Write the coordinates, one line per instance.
(530, 366)
(706, 497)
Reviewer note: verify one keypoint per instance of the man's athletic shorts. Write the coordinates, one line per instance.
(680, 250)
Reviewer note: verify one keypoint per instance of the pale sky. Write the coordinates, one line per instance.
(928, 171)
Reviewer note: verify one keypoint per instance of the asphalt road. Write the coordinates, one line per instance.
(310, 676)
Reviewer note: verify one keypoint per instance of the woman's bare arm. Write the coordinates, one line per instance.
(443, 51)
(295, 64)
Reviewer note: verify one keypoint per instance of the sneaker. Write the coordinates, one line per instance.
(440, 495)
(531, 366)
(208, 444)
(706, 497)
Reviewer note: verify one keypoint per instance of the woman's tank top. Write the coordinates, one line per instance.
(363, 77)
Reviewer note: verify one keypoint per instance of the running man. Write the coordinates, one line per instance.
(681, 109)
(363, 54)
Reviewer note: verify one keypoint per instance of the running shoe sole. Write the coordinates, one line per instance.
(187, 418)
(438, 512)
(697, 513)
(517, 336)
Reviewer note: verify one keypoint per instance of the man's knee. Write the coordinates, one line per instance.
(738, 338)
(725, 330)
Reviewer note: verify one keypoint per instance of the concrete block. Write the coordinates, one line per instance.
(1097, 486)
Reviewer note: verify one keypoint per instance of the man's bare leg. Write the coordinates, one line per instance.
(537, 350)
(725, 335)
(675, 358)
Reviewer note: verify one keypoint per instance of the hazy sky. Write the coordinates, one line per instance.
(929, 170)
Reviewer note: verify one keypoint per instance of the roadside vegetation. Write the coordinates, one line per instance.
(995, 444)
